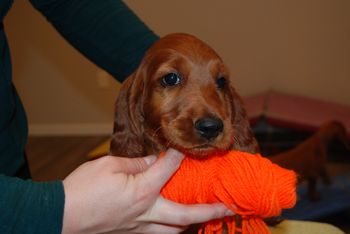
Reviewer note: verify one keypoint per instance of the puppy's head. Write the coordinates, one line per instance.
(334, 130)
(181, 96)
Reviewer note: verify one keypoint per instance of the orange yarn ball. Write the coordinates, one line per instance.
(251, 183)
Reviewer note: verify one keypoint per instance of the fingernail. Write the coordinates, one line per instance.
(150, 159)
(174, 152)
(175, 156)
(229, 213)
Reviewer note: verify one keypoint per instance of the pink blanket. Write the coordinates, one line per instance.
(295, 111)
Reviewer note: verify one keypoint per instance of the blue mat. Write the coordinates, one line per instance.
(334, 198)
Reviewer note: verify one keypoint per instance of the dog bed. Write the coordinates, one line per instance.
(295, 112)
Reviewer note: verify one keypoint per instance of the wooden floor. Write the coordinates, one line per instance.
(52, 158)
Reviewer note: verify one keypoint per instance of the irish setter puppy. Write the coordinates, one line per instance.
(181, 96)
(309, 158)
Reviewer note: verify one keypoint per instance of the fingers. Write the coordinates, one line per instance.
(161, 171)
(168, 212)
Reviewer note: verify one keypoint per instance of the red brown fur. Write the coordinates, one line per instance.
(309, 158)
(151, 117)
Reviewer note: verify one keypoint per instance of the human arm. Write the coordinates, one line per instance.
(30, 207)
(107, 32)
(124, 198)
(114, 194)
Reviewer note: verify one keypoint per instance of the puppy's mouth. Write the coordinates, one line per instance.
(202, 150)
(204, 146)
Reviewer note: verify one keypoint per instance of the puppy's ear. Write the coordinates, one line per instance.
(244, 139)
(127, 139)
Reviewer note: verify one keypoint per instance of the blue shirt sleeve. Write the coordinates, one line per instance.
(31, 207)
(113, 37)
(105, 31)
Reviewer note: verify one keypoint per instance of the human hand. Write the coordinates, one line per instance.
(122, 195)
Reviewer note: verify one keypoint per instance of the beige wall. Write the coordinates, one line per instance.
(299, 47)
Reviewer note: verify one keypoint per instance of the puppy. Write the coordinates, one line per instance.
(181, 96)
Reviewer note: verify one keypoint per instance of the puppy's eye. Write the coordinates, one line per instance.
(221, 82)
(171, 79)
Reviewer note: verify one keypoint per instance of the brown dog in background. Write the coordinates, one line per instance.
(181, 96)
(310, 157)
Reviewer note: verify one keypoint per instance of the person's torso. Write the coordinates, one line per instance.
(5, 5)
(13, 123)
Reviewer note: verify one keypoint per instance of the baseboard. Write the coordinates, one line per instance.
(70, 129)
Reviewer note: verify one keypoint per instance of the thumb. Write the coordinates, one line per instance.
(133, 165)
(161, 171)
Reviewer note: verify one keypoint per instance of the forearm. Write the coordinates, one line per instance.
(107, 32)
(30, 207)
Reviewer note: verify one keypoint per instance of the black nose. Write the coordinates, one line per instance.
(209, 128)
